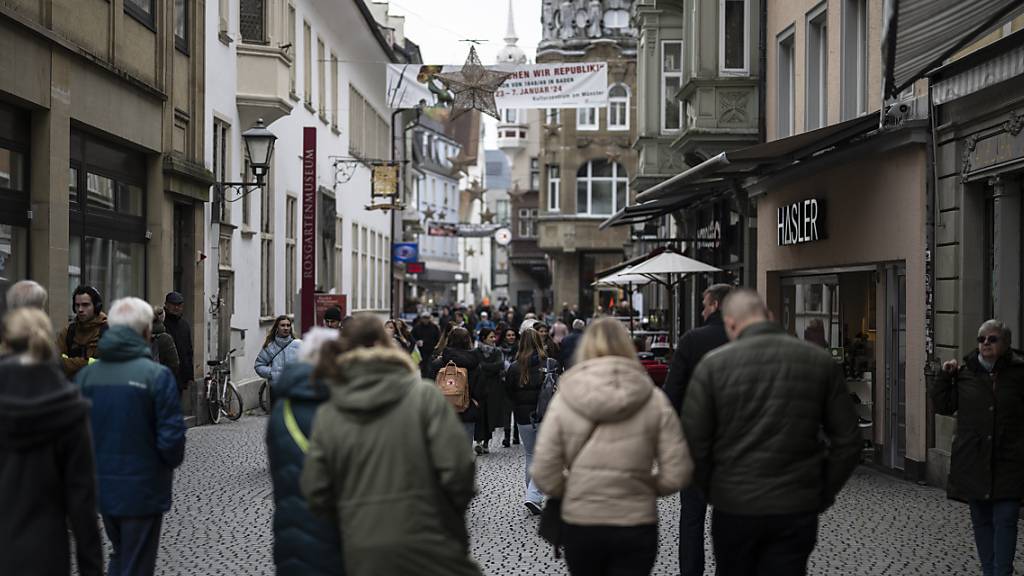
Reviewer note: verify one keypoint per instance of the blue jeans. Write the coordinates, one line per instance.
(135, 541)
(995, 534)
(692, 514)
(528, 434)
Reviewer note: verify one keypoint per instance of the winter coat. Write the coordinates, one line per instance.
(137, 426)
(987, 462)
(303, 543)
(180, 330)
(47, 474)
(524, 396)
(692, 347)
(275, 356)
(631, 428)
(162, 344)
(83, 344)
(389, 464)
(469, 360)
(495, 406)
(770, 425)
(429, 334)
(568, 348)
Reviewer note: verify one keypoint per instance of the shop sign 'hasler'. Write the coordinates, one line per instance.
(801, 222)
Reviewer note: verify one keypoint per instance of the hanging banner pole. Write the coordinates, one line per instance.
(308, 228)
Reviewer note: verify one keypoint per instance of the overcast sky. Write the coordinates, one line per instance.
(439, 25)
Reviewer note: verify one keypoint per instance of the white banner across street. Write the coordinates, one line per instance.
(532, 86)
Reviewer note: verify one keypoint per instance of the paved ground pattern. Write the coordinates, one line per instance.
(221, 519)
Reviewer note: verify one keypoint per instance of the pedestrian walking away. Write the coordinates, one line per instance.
(304, 544)
(986, 392)
(280, 349)
(459, 351)
(523, 383)
(162, 343)
(509, 345)
(78, 340)
(692, 347)
(602, 437)
(426, 334)
(567, 348)
(139, 436)
(388, 462)
(179, 329)
(774, 438)
(492, 384)
(47, 470)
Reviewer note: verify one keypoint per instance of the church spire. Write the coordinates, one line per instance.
(510, 33)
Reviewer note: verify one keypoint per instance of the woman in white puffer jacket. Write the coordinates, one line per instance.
(609, 446)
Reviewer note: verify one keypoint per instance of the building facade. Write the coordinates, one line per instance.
(102, 128)
(587, 151)
(294, 64)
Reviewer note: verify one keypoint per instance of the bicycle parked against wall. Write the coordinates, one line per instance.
(265, 401)
(222, 398)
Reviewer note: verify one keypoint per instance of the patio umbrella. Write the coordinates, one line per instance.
(673, 265)
(625, 278)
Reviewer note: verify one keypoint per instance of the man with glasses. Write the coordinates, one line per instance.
(986, 392)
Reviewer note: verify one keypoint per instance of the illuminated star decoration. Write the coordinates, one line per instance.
(474, 86)
(460, 163)
(487, 217)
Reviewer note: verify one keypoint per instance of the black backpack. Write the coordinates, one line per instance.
(551, 371)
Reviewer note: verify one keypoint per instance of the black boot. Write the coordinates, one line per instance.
(505, 442)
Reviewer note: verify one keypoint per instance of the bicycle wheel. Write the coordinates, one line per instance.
(265, 397)
(232, 402)
(212, 400)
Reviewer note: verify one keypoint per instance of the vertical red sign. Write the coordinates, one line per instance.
(308, 226)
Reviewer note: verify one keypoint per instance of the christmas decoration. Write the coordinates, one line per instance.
(428, 214)
(475, 190)
(474, 86)
(487, 216)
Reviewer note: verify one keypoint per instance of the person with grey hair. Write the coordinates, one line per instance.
(691, 348)
(774, 438)
(303, 543)
(138, 435)
(26, 294)
(986, 392)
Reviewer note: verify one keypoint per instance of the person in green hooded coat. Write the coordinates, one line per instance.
(388, 461)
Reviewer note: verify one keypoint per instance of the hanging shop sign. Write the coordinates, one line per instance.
(503, 236)
(308, 227)
(405, 252)
(442, 229)
(531, 86)
(801, 222)
(415, 267)
(385, 180)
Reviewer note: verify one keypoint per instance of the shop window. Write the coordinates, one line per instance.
(252, 20)
(601, 188)
(855, 58)
(141, 10)
(618, 107)
(786, 85)
(817, 67)
(671, 81)
(734, 32)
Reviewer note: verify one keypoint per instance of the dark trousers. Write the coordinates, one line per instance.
(692, 514)
(995, 534)
(610, 550)
(775, 545)
(135, 540)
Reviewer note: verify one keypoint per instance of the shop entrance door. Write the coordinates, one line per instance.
(895, 365)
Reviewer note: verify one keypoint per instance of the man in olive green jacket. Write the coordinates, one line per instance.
(389, 463)
(774, 437)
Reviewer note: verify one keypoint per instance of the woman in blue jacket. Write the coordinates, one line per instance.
(304, 544)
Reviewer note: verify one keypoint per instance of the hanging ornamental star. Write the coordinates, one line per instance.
(474, 86)
(487, 217)
(475, 190)
(470, 251)
(516, 190)
(460, 163)
(428, 214)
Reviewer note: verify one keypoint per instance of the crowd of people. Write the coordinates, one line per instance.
(376, 428)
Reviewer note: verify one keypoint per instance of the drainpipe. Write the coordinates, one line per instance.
(931, 367)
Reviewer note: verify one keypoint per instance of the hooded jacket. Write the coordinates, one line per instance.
(84, 343)
(47, 474)
(470, 360)
(137, 425)
(771, 425)
(388, 463)
(274, 357)
(162, 344)
(987, 462)
(604, 432)
(304, 544)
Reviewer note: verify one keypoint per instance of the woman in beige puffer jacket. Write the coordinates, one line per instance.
(623, 442)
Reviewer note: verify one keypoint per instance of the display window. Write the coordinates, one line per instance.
(14, 197)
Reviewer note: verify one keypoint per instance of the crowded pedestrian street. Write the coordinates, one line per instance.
(221, 519)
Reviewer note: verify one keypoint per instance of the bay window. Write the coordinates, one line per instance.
(601, 188)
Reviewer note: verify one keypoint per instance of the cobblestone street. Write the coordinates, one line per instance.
(221, 519)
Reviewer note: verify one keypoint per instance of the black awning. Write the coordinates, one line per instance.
(919, 35)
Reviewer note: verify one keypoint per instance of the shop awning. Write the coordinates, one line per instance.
(919, 35)
(728, 170)
(998, 62)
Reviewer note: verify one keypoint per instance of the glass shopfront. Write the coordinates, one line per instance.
(14, 197)
(106, 192)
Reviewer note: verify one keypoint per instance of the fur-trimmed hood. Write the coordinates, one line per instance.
(372, 379)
